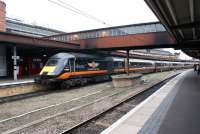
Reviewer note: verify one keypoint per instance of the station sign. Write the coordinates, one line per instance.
(16, 57)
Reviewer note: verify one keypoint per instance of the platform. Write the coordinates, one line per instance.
(174, 109)
(10, 82)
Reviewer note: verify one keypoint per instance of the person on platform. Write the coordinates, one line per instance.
(198, 69)
(195, 67)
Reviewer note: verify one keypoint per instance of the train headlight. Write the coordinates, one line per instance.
(51, 73)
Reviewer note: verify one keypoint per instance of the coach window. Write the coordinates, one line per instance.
(139, 64)
(144, 64)
(159, 64)
(120, 64)
(79, 65)
(116, 64)
(131, 64)
(134, 64)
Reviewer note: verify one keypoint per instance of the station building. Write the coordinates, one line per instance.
(157, 53)
(29, 63)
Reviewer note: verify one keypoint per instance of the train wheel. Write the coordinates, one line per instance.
(72, 83)
(83, 81)
(65, 85)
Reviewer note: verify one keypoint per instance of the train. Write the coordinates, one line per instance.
(70, 69)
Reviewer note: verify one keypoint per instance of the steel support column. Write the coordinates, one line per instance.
(127, 57)
(15, 69)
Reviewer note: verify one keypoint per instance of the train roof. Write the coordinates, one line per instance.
(67, 55)
(62, 55)
(142, 61)
(73, 55)
(132, 60)
(83, 55)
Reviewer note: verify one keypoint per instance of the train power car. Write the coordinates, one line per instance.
(70, 69)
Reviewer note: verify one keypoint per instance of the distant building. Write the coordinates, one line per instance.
(159, 53)
(25, 62)
(155, 52)
(18, 27)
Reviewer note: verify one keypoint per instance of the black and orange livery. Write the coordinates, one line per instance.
(69, 69)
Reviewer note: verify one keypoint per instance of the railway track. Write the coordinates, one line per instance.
(36, 93)
(104, 120)
(70, 116)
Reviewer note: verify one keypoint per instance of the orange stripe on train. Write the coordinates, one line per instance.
(68, 74)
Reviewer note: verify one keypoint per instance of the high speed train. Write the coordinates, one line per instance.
(70, 69)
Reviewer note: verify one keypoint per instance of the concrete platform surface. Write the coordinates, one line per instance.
(174, 109)
(9, 82)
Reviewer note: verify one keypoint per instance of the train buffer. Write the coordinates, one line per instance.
(174, 109)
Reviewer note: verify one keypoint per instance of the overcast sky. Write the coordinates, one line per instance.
(113, 12)
(48, 14)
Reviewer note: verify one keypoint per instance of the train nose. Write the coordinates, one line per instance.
(47, 70)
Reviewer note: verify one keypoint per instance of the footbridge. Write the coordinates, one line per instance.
(144, 35)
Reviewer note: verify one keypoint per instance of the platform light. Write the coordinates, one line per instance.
(44, 55)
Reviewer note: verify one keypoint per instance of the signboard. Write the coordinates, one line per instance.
(16, 57)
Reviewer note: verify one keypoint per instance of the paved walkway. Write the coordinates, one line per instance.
(174, 109)
(183, 116)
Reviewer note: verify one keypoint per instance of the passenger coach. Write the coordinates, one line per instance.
(70, 69)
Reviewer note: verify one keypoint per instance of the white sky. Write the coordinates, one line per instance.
(113, 12)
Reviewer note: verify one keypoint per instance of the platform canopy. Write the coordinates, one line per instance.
(27, 41)
(181, 18)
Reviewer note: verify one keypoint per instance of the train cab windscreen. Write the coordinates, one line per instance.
(54, 66)
(52, 62)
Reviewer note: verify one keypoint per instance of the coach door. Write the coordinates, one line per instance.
(72, 64)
